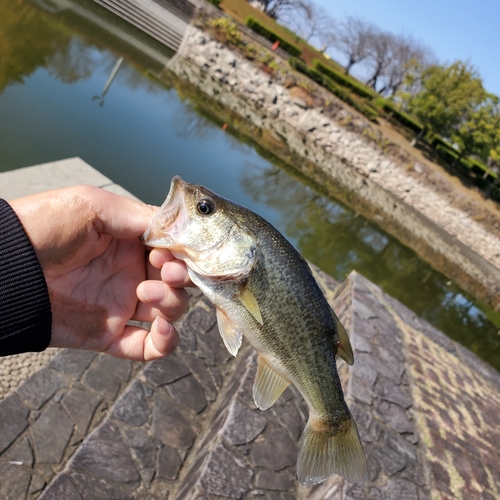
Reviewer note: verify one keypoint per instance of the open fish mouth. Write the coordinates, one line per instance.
(170, 218)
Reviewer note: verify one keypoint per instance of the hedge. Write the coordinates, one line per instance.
(450, 155)
(343, 80)
(273, 37)
(403, 118)
(328, 84)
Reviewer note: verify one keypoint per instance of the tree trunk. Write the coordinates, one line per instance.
(419, 136)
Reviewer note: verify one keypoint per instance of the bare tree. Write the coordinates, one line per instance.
(275, 8)
(406, 53)
(308, 20)
(380, 53)
(353, 40)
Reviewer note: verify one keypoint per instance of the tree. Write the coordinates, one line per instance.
(276, 8)
(381, 53)
(405, 54)
(353, 40)
(477, 131)
(446, 95)
(308, 20)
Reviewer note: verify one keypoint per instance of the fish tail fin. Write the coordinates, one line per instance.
(325, 451)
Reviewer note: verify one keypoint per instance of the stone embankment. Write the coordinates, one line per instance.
(409, 208)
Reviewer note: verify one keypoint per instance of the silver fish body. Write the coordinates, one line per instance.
(263, 289)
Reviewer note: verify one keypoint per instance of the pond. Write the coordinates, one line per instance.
(53, 70)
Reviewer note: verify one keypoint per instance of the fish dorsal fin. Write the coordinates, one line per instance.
(344, 344)
(246, 297)
(268, 385)
(230, 335)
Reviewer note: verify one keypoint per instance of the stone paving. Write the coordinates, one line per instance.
(88, 426)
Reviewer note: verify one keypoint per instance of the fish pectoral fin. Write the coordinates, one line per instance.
(326, 450)
(344, 345)
(230, 335)
(268, 385)
(246, 297)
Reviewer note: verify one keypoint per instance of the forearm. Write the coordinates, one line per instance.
(25, 313)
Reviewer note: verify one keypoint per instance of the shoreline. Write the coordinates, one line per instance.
(406, 207)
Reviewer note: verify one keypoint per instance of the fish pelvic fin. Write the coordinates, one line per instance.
(325, 451)
(231, 337)
(268, 385)
(344, 348)
(246, 297)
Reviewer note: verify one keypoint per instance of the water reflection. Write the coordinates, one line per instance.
(52, 67)
(337, 240)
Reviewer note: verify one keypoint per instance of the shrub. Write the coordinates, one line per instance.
(229, 29)
(343, 80)
(340, 92)
(403, 118)
(273, 37)
(215, 2)
(450, 155)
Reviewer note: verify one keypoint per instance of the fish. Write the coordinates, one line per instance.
(264, 290)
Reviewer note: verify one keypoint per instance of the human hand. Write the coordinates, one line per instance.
(98, 275)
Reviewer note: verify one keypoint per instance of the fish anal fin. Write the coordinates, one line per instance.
(268, 385)
(246, 297)
(344, 344)
(326, 451)
(230, 335)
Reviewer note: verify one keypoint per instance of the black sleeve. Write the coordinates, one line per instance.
(25, 314)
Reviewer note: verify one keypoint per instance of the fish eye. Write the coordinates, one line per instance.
(205, 207)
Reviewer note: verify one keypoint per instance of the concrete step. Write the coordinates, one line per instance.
(154, 19)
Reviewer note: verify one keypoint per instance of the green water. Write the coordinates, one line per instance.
(52, 72)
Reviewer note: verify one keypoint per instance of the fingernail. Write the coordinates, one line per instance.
(162, 326)
(154, 291)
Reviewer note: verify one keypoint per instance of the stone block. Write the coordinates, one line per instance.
(13, 420)
(170, 425)
(225, 474)
(391, 461)
(22, 453)
(40, 387)
(212, 348)
(105, 454)
(72, 361)
(37, 484)
(14, 481)
(189, 392)
(242, 425)
(400, 489)
(390, 391)
(270, 480)
(118, 367)
(394, 415)
(276, 451)
(166, 370)
(200, 370)
(143, 446)
(103, 383)
(169, 463)
(81, 405)
(61, 487)
(133, 407)
(51, 434)
(98, 490)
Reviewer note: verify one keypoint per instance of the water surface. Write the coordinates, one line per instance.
(142, 132)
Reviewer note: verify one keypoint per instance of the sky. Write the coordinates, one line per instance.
(454, 29)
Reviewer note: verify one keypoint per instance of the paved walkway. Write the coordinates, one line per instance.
(89, 426)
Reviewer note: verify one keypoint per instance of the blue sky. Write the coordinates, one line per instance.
(453, 29)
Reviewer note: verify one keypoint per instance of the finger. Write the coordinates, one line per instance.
(119, 216)
(175, 274)
(138, 344)
(158, 257)
(170, 302)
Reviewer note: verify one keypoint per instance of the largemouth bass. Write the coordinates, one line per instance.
(263, 289)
